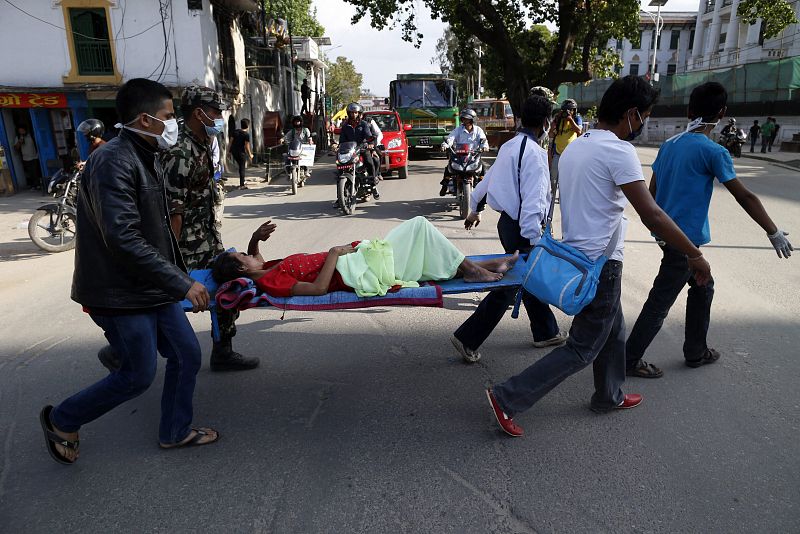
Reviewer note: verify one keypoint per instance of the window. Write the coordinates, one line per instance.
(90, 37)
(636, 44)
(387, 122)
(671, 69)
(653, 38)
(618, 69)
(634, 70)
(619, 44)
(722, 38)
(691, 40)
(674, 39)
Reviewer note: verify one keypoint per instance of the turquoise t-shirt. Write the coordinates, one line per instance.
(685, 169)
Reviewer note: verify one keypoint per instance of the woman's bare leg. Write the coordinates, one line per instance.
(499, 265)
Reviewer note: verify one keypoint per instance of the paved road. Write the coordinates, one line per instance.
(366, 421)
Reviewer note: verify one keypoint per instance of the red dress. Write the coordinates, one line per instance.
(284, 274)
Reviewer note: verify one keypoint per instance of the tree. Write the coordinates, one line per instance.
(344, 82)
(571, 55)
(299, 14)
(775, 15)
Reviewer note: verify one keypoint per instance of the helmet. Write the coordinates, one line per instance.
(468, 115)
(569, 104)
(354, 107)
(297, 118)
(92, 128)
(732, 121)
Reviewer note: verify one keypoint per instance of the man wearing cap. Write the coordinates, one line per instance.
(193, 198)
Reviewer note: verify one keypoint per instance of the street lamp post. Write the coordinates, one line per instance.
(659, 24)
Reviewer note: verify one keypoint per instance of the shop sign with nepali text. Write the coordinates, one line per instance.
(33, 100)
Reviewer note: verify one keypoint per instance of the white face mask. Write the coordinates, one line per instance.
(166, 139)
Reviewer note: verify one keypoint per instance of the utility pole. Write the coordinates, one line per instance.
(659, 25)
(480, 79)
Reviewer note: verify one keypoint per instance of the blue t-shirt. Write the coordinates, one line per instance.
(685, 169)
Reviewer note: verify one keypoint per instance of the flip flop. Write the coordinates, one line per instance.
(51, 438)
(196, 440)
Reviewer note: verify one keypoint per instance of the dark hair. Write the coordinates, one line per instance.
(624, 94)
(535, 110)
(707, 100)
(140, 95)
(226, 267)
(755, 121)
(245, 124)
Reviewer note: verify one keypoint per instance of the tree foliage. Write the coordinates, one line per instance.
(524, 58)
(300, 15)
(344, 82)
(776, 15)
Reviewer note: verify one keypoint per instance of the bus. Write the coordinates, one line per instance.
(428, 102)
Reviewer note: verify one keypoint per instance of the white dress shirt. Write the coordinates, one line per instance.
(502, 187)
(460, 136)
(376, 131)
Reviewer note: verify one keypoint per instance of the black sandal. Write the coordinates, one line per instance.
(644, 370)
(196, 441)
(709, 356)
(51, 438)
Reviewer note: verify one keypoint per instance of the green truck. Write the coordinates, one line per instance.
(428, 102)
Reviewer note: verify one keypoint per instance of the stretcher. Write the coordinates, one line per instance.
(243, 295)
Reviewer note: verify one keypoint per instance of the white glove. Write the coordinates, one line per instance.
(485, 149)
(781, 244)
(444, 147)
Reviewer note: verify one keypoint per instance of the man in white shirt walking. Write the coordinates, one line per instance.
(518, 186)
(599, 173)
(26, 146)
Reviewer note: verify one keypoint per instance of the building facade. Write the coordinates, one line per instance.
(672, 51)
(723, 40)
(68, 57)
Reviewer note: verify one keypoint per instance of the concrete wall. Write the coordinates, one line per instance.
(37, 54)
(661, 129)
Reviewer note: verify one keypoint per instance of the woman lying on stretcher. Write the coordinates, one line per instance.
(415, 251)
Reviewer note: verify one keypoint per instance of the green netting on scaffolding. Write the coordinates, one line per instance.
(754, 82)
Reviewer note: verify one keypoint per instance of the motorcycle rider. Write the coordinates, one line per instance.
(730, 128)
(466, 134)
(298, 131)
(93, 130)
(357, 130)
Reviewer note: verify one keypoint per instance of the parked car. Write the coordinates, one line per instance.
(395, 156)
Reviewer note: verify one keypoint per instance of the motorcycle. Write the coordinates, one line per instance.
(352, 181)
(733, 140)
(466, 171)
(297, 173)
(53, 226)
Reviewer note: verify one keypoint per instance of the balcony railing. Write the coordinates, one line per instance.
(94, 58)
(710, 6)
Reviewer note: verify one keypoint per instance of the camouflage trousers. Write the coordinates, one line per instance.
(226, 319)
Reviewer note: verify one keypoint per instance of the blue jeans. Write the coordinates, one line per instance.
(673, 275)
(137, 338)
(597, 336)
(482, 322)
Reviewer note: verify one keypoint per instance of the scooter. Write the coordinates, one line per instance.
(297, 173)
(466, 171)
(53, 226)
(352, 181)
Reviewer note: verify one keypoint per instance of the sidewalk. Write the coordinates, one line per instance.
(789, 160)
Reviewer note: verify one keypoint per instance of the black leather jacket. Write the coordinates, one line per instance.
(126, 255)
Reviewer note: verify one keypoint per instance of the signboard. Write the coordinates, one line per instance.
(307, 155)
(366, 102)
(33, 100)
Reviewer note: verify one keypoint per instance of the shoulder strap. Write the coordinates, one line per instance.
(612, 244)
(519, 173)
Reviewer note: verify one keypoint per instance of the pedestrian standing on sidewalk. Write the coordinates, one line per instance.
(682, 183)
(194, 197)
(240, 148)
(766, 134)
(518, 186)
(775, 129)
(26, 147)
(598, 172)
(755, 131)
(130, 279)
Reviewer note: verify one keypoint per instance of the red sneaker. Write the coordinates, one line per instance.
(506, 423)
(631, 400)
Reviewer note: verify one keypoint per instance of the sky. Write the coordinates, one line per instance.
(380, 55)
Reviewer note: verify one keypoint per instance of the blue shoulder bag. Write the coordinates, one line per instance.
(561, 275)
